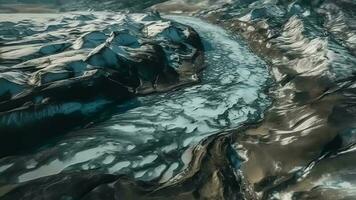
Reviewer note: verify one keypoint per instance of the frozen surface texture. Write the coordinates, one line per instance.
(57, 70)
(272, 117)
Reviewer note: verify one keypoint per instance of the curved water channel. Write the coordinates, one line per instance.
(149, 137)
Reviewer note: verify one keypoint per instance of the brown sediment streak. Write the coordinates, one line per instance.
(305, 146)
(304, 131)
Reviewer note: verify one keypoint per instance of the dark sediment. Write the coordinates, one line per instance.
(303, 149)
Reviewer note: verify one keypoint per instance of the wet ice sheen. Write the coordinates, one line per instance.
(153, 137)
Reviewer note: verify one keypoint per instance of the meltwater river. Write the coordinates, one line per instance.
(149, 137)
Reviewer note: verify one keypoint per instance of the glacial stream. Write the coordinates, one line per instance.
(150, 137)
(178, 99)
